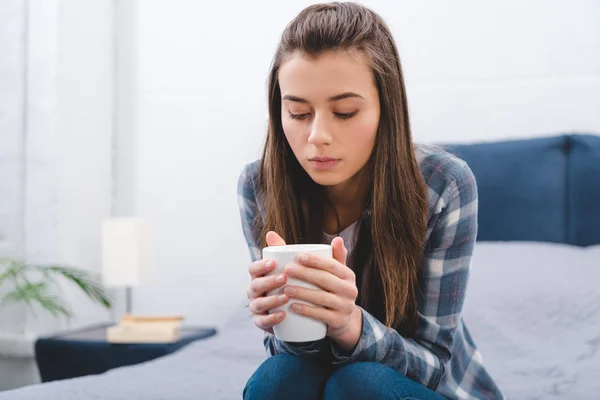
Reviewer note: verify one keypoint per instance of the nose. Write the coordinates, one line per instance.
(319, 132)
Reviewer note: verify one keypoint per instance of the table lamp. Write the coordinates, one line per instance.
(125, 253)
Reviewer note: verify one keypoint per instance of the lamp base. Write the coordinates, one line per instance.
(128, 300)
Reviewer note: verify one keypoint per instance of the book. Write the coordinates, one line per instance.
(137, 329)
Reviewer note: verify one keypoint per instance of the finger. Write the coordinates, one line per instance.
(266, 322)
(261, 285)
(318, 313)
(330, 265)
(262, 305)
(317, 277)
(273, 239)
(316, 297)
(339, 250)
(261, 267)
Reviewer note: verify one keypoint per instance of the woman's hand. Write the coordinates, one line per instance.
(335, 304)
(260, 285)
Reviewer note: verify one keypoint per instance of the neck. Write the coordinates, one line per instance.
(348, 200)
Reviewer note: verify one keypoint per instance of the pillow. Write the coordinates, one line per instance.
(521, 194)
(584, 190)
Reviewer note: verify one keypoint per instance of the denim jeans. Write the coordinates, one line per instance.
(289, 377)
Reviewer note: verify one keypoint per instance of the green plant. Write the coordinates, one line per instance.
(34, 284)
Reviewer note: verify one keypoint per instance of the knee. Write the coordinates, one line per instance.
(285, 376)
(362, 380)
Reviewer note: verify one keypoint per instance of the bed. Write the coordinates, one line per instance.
(533, 302)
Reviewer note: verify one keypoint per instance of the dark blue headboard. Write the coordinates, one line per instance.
(543, 189)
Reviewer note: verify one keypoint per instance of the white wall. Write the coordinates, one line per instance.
(56, 123)
(12, 97)
(474, 71)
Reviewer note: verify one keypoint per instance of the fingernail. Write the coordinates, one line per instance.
(268, 265)
(279, 279)
(290, 268)
(290, 291)
(296, 307)
(282, 298)
(280, 315)
(302, 257)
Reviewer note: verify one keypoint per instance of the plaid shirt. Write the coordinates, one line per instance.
(442, 355)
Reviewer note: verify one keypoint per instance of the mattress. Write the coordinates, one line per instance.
(532, 308)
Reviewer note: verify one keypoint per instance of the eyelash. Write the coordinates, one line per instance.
(342, 116)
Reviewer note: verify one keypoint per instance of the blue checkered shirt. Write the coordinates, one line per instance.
(441, 355)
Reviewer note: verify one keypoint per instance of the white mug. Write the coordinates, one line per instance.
(295, 327)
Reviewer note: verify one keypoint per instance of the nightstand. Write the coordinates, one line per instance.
(86, 351)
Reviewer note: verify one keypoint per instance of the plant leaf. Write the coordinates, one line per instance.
(53, 305)
(24, 292)
(30, 293)
(11, 271)
(86, 281)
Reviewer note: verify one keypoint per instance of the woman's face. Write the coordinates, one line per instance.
(330, 113)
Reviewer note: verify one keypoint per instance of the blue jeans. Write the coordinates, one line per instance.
(289, 377)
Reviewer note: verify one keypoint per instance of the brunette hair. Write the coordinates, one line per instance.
(390, 242)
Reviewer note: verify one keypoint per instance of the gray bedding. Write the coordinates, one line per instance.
(533, 309)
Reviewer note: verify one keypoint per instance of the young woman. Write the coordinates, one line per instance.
(339, 166)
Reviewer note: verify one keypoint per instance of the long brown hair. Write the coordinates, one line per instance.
(390, 241)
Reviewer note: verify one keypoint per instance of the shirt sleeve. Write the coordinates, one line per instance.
(249, 212)
(443, 282)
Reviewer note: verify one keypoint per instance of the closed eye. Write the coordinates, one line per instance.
(344, 116)
(298, 116)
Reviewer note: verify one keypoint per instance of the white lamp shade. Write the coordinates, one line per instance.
(125, 251)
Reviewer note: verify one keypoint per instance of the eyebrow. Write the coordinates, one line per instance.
(331, 99)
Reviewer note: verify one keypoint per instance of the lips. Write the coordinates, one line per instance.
(323, 163)
(323, 159)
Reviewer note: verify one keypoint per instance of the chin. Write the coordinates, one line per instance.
(326, 178)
